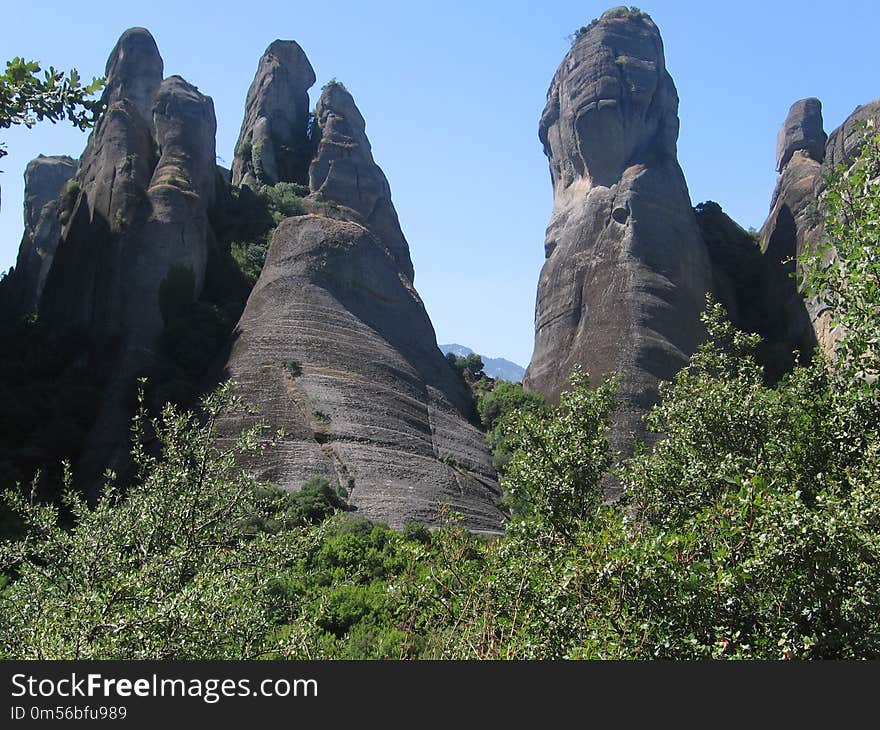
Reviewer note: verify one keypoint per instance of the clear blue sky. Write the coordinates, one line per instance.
(452, 93)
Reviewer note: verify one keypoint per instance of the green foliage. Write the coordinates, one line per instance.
(470, 367)
(620, 12)
(26, 98)
(249, 256)
(294, 367)
(244, 148)
(285, 199)
(555, 472)
(844, 272)
(257, 162)
(164, 570)
(334, 82)
(494, 406)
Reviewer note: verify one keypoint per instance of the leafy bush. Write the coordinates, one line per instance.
(494, 406)
(162, 571)
(249, 256)
(285, 198)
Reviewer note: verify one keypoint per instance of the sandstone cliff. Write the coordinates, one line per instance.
(44, 182)
(626, 271)
(138, 204)
(136, 210)
(336, 347)
(273, 144)
(794, 226)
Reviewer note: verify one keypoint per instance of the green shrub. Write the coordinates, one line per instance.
(243, 149)
(249, 257)
(285, 198)
(257, 162)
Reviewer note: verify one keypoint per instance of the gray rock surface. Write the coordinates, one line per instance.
(134, 71)
(133, 215)
(335, 346)
(758, 293)
(627, 270)
(802, 130)
(273, 143)
(44, 182)
(137, 208)
(343, 171)
(794, 225)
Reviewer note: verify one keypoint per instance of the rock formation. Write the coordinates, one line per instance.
(343, 171)
(273, 144)
(44, 181)
(755, 291)
(626, 271)
(336, 347)
(794, 226)
(138, 205)
(136, 210)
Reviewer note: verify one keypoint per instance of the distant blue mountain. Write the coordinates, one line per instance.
(494, 367)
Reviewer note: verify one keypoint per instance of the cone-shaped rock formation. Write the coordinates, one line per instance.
(336, 347)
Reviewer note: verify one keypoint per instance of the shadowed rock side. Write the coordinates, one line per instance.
(273, 143)
(137, 208)
(626, 270)
(343, 171)
(794, 226)
(757, 294)
(335, 346)
(44, 181)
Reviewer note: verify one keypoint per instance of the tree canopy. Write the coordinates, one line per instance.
(26, 97)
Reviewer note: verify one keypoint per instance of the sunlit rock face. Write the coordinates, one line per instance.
(627, 271)
(335, 347)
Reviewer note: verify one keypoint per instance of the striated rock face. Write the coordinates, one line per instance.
(44, 181)
(794, 224)
(845, 142)
(626, 270)
(335, 346)
(134, 71)
(343, 171)
(273, 144)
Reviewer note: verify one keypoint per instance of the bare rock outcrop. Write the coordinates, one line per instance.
(335, 346)
(343, 171)
(273, 144)
(134, 71)
(802, 132)
(627, 270)
(757, 293)
(794, 225)
(136, 210)
(44, 181)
